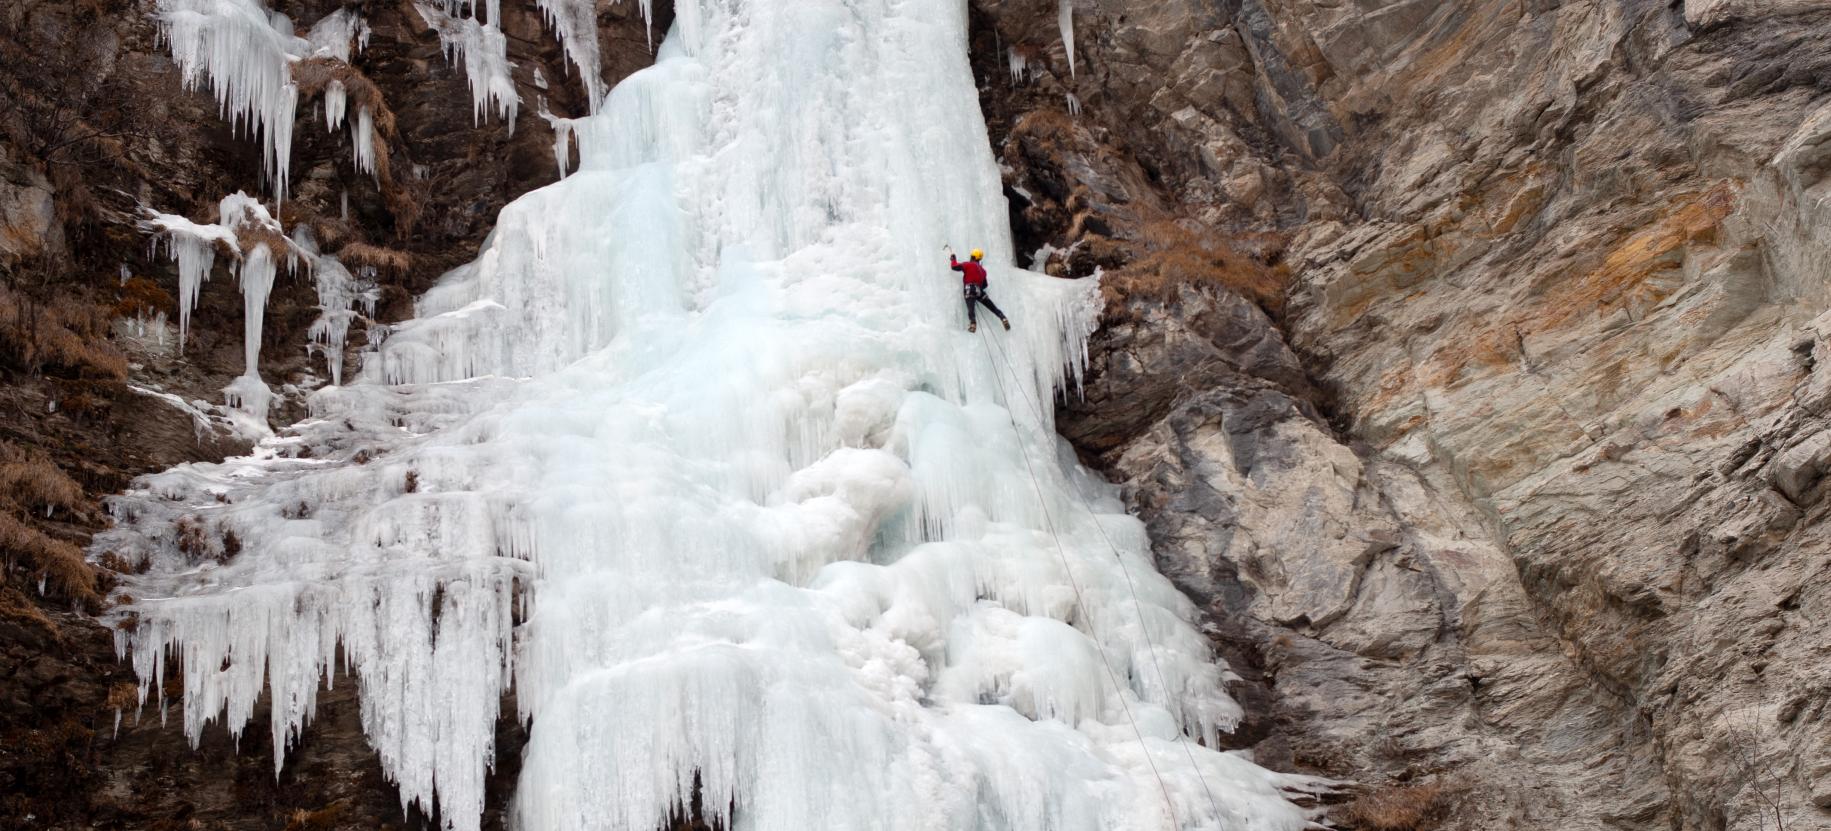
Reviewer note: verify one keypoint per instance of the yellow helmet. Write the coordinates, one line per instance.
(978, 254)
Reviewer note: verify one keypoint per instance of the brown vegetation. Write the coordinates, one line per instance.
(64, 336)
(142, 298)
(56, 562)
(1176, 256)
(328, 816)
(31, 486)
(389, 260)
(1413, 807)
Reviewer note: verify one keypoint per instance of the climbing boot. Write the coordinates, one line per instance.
(972, 327)
(1006, 322)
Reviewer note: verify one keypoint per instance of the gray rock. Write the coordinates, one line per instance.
(1558, 284)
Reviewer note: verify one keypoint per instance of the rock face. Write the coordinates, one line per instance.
(1519, 476)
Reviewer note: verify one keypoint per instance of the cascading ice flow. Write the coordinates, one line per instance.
(698, 456)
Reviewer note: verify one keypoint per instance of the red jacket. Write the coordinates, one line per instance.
(971, 273)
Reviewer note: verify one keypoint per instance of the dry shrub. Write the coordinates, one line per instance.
(1175, 256)
(332, 233)
(251, 235)
(142, 298)
(118, 564)
(16, 607)
(191, 538)
(123, 695)
(32, 483)
(388, 260)
(59, 564)
(84, 407)
(1415, 807)
(326, 817)
(64, 334)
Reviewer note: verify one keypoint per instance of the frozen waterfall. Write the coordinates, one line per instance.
(698, 456)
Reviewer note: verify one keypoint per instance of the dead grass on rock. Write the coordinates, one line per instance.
(30, 485)
(1175, 256)
(388, 260)
(1418, 806)
(64, 335)
(59, 564)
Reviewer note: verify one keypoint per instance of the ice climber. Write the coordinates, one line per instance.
(972, 276)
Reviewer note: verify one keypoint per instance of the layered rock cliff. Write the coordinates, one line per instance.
(1489, 422)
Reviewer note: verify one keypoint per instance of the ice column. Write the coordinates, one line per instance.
(699, 456)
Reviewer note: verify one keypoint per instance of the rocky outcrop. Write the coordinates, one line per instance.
(1521, 480)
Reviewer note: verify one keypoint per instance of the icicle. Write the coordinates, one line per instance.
(340, 294)
(575, 23)
(362, 141)
(1018, 65)
(257, 273)
(563, 129)
(242, 52)
(485, 51)
(343, 206)
(336, 99)
(192, 247)
(1074, 104)
(1064, 18)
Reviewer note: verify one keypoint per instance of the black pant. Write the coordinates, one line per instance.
(976, 294)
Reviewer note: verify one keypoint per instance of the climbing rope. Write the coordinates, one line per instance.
(1081, 606)
(1137, 605)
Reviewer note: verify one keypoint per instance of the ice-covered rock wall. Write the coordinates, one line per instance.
(698, 457)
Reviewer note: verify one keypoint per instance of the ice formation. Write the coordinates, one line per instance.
(1064, 18)
(562, 138)
(246, 229)
(698, 456)
(336, 102)
(244, 52)
(334, 36)
(362, 141)
(484, 50)
(575, 22)
(342, 297)
(192, 247)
